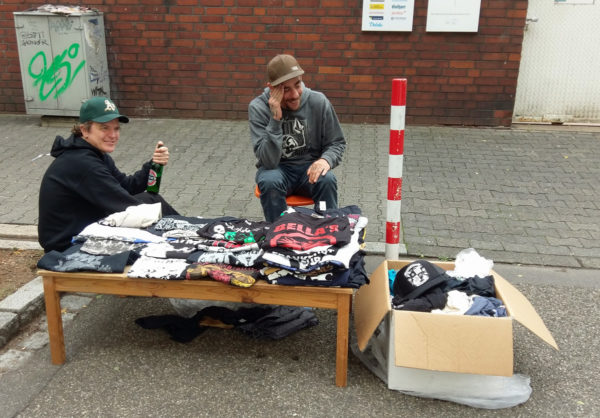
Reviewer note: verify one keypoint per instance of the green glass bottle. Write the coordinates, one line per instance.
(154, 178)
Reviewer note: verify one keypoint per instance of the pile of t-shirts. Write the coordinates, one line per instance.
(425, 287)
(302, 247)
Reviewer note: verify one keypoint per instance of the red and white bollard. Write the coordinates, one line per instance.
(393, 230)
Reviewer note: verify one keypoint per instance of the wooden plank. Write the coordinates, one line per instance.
(55, 327)
(261, 292)
(204, 290)
(343, 324)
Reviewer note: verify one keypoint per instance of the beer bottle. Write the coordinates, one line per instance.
(154, 177)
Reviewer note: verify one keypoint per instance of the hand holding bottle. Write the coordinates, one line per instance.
(159, 160)
(161, 154)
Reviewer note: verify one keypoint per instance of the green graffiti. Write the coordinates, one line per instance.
(57, 78)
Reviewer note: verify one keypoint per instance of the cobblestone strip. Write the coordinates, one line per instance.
(23, 327)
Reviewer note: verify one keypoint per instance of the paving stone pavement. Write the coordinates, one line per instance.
(525, 195)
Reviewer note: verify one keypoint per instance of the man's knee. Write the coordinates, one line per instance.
(269, 180)
(328, 181)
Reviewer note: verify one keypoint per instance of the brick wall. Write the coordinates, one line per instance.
(207, 59)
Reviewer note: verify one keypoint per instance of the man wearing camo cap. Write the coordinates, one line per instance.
(297, 140)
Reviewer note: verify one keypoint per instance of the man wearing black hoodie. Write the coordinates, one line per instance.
(83, 185)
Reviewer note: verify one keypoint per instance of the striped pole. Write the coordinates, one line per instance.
(393, 230)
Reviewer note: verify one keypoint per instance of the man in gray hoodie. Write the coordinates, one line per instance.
(297, 140)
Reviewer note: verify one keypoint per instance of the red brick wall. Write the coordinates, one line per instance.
(207, 59)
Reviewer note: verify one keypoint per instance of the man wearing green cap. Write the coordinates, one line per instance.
(83, 185)
(297, 140)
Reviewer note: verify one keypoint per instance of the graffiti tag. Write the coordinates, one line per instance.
(98, 91)
(33, 38)
(99, 76)
(58, 77)
(61, 25)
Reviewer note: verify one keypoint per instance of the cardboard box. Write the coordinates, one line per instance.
(475, 390)
(440, 342)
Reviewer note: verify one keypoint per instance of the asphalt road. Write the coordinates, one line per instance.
(115, 368)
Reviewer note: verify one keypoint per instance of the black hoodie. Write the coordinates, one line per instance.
(82, 186)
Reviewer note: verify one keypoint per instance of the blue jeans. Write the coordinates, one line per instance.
(288, 179)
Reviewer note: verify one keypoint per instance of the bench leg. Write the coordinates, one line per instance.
(343, 325)
(54, 318)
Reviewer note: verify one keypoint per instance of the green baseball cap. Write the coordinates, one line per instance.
(100, 109)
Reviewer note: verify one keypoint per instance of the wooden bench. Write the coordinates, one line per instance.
(262, 292)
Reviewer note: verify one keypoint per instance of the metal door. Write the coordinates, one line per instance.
(63, 60)
(559, 76)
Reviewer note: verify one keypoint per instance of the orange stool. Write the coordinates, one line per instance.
(293, 200)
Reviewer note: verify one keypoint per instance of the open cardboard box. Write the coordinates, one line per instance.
(440, 342)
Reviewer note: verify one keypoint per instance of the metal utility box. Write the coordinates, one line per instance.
(62, 52)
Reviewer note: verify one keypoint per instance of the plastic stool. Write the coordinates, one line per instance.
(293, 200)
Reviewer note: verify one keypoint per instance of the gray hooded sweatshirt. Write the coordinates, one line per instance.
(305, 135)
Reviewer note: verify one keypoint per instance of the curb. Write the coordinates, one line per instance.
(22, 237)
(18, 232)
(20, 308)
(20, 245)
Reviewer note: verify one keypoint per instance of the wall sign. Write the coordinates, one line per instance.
(453, 15)
(573, 1)
(388, 15)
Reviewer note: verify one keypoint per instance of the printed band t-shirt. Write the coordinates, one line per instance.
(302, 232)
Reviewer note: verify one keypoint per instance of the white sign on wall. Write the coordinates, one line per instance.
(573, 1)
(453, 15)
(388, 15)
